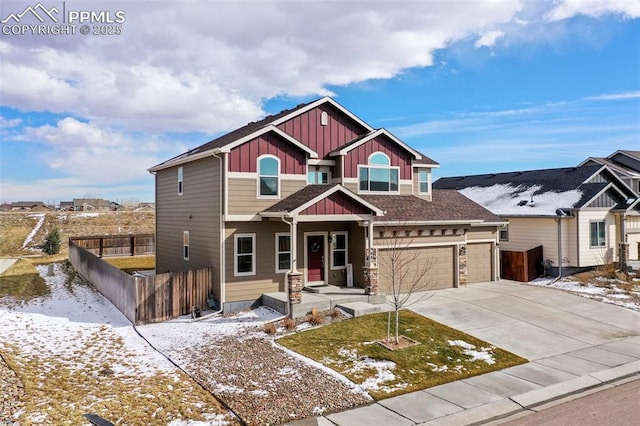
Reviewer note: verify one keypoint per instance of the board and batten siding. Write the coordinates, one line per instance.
(308, 129)
(593, 256)
(197, 210)
(243, 194)
(360, 157)
(244, 158)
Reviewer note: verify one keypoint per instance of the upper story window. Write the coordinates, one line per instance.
(319, 176)
(504, 233)
(269, 176)
(423, 181)
(180, 180)
(324, 118)
(378, 175)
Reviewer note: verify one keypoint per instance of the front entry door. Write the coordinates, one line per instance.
(315, 259)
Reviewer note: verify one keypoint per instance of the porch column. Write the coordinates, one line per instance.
(623, 250)
(371, 286)
(294, 278)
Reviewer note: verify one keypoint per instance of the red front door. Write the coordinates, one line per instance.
(315, 258)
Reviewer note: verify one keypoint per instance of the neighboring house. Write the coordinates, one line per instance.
(26, 205)
(66, 205)
(300, 195)
(580, 215)
(625, 164)
(94, 205)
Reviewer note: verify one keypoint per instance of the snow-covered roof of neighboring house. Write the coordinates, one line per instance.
(532, 192)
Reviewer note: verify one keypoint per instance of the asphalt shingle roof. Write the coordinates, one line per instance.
(299, 198)
(549, 180)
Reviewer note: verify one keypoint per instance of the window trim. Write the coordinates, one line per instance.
(369, 166)
(236, 237)
(277, 176)
(333, 249)
(504, 229)
(180, 180)
(316, 173)
(420, 181)
(604, 238)
(185, 245)
(278, 252)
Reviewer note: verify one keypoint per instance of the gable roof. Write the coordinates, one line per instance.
(365, 138)
(535, 192)
(311, 194)
(445, 206)
(255, 129)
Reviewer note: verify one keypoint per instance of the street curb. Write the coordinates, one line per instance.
(528, 400)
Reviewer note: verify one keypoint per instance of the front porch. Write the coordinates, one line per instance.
(353, 300)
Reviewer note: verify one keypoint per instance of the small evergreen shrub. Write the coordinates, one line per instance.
(52, 242)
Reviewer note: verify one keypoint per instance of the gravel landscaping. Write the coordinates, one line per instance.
(260, 381)
(12, 391)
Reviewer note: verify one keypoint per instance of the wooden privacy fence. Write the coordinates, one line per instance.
(117, 245)
(523, 266)
(144, 299)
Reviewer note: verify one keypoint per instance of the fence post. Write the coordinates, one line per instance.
(132, 245)
(101, 247)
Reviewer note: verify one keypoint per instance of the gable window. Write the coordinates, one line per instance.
(598, 234)
(185, 245)
(504, 233)
(180, 180)
(423, 182)
(269, 176)
(339, 250)
(324, 119)
(244, 254)
(283, 253)
(378, 175)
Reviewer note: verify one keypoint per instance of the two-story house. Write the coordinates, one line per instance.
(301, 195)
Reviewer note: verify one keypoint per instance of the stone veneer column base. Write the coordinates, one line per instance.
(371, 286)
(463, 278)
(295, 287)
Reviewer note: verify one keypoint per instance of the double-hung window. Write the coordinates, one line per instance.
(283, 252)
(378, 175)
(339, 250)
(423, 182)
(244, 254)
(269, 176)
(598, 234)
(504, 233)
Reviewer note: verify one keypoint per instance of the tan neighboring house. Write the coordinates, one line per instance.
(582, 216)
(303, 197)
(94, 205)
(625, 164)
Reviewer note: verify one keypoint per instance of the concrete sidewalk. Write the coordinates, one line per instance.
(573, 344)
(5, 263)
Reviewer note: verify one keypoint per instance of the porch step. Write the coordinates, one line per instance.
(333, 289)
(358, 309)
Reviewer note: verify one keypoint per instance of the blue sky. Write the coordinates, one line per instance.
(477, 86)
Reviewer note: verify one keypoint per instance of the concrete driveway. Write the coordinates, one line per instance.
(572, 343)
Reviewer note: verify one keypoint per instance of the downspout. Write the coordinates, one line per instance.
(559, 247)
(222, 229)
(286, 274)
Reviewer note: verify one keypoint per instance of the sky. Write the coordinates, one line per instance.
(478, 86)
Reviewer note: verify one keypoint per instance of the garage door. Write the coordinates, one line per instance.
(479, 262)
(439, 259)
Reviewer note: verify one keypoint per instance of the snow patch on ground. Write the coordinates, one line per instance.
(606, 291)
(35, 229)
(505, 199)
(482, 354)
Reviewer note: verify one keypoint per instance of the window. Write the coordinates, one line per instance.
(269, 172)
(180, 180)
(317, 178)
(185, 245)
(598, 234)
(283, 253)
(504, 233)
(245, 255)
(379, 176)
(324, 119)
(339, 250)
(423, 182)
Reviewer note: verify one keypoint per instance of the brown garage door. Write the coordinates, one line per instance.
(479, 262)
(440, 274)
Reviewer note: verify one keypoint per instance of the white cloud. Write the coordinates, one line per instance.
(614, 96)
(569, 8)
(9, 122)
(488, 38)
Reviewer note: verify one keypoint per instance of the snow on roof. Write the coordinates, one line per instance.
(521, 200)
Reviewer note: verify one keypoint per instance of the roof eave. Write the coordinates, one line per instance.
(184, 159)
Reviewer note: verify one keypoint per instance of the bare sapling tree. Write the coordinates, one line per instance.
(407, 269)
